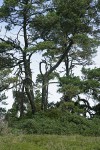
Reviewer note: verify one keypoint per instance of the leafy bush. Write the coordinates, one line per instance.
(56, 122)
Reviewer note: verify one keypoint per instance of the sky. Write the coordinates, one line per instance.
(53, 95)
(1, 1)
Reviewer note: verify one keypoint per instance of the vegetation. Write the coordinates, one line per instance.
(55, 122)
(48, 142)
(63, 32)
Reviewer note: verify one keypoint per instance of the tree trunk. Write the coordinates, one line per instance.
(22, 106)
(28, 83)
(44, 103)
(67, 65)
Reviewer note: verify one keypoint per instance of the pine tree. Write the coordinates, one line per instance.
(18, 15)
(67, 34)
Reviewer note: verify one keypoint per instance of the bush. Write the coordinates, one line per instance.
(56, 122)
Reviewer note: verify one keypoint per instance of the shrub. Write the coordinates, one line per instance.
(56, 122)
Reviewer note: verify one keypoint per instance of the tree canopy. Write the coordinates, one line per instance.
(64, 32)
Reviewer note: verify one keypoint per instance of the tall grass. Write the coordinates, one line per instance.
(49, 142)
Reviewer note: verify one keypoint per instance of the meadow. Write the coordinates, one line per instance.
(49, 142)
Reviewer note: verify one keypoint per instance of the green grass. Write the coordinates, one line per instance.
(49, 142)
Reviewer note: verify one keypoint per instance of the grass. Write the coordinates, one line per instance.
(49, 142)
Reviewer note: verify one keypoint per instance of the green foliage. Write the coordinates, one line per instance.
(70, 86)
(42, 46)
(93, 74)
(91, 86)
(58, 122)
(68, 19)
(55, 28)
(71, 107)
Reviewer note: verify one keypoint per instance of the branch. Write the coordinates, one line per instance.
(13, 44)
(42, 86)
(61, 58)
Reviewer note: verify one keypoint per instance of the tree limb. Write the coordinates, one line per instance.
(61, 58)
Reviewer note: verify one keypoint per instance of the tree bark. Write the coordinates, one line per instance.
(28, 83)
(28, 75)
(67, 65)
(44, 102)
